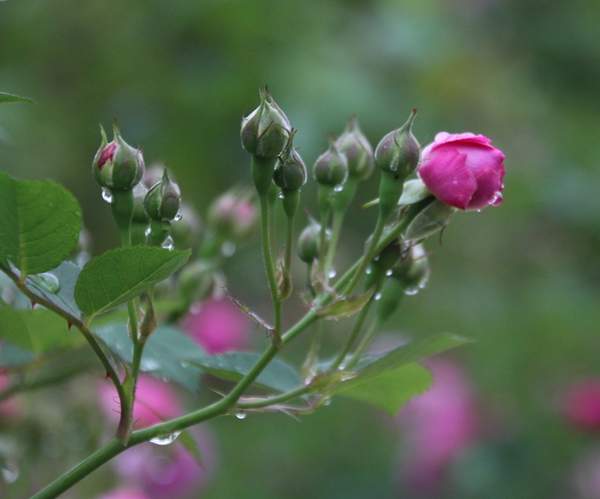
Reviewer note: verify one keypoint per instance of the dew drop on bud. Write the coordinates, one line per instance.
(280, 195)
(168, 243)
(148, 231)
(227, 249)
(178, 216)
(389, 273)
(331, 274)
(338, 188)
(165, 439)
(107, 195)
(377, 297)
(240, 415)
(47, 281)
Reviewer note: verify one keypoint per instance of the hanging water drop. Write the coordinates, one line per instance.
(389, 273)
(148, 231)
(241, 415)
(227, 249)
(47, 281)
(411, 291)
(377, 296)
(338, 188)
(331, 274)
(280, 195)
(168, 243)
(9, 472)
(107, 195)
(178, 216)
(165, 439)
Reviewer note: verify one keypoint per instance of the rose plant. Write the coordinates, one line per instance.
(156, 313)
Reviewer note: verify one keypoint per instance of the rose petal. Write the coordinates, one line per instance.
(446, 175)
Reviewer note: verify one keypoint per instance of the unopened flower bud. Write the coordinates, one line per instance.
(397, 155)
(412, 270)
(153, 174)
(163, 200)
(290, 174)
(264, 132)
(309, 242)
(331, 167)
(117, 165)
(358, 151)
(232, 215)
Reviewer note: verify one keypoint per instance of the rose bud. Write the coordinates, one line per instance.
(290, 174)
(353, 144)
(117, 165)
(463, 170)
(153, 174)
(331, 167)
(308, 242)
(232, 215)
(397, 156)
(163, 200)
(264, 132)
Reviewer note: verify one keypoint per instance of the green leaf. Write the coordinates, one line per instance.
(170, 354)
(391, 389)
(121, 274)
(389, 379)
(346, 307)
(39, 224)
(6, 97)
(38, 331)
(66, 275)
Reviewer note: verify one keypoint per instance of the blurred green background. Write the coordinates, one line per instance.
(521, 279)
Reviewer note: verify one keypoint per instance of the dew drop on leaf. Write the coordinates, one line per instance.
(47, 281)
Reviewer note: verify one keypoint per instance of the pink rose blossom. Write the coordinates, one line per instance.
(168, 472)
(218, 326)
(155, 401)
(125, 493)
(439, 424)
(581, 405)
(463, 170)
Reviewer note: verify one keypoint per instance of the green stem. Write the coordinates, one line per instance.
(277, 399)
(312, 356)
(289, 243)
(370, 252)
(364, 343)
(324, 215)
(270, 265)
(336, 229)
(85, 331)
(358, 324)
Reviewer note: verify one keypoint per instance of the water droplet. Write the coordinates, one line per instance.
(47, 281)
(149, 364)
(107, 195)
(377, 296)
(331, 274)
(227, 249)
(168, 243)
(165, 439)
(411, 291)
(389, 272)
(338, 188)
(280, 195)
(178, 216)
(9, 472)
(241, 415)
(369, 271)
(148, 231)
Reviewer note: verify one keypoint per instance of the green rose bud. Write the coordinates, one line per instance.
(331, 168)
(117, 166)
(163, 200)
(353, 144)
(309, 242)
(290, 174)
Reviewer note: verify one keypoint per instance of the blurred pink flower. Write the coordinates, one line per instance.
(463, 170)
(8, 408)
(168, 472)
(155, 401)
(439, 425)
(218, 326)
(581, 405)
(125, 493)
(233, 215)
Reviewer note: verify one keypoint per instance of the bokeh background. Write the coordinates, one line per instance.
(521, 279)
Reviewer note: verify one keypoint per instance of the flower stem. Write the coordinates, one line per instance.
(258, 403)
(270, 265)
(358, 324)
(364, 343)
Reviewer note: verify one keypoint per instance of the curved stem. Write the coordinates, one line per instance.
(269, 265)
(85, 331)
(360, 320)
(336, 229)
(364, 343)
(370, 252)
(258, 403)
(289, 243)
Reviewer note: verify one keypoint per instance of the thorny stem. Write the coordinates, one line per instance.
(87, 334)
(257, 403)
(270, 265)
(115, 446)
